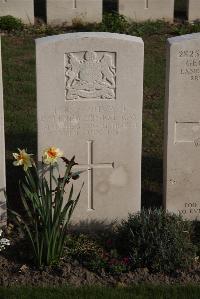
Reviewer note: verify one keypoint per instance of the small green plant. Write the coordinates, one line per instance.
(46, 215)
(10, 23)
(147, 28)
(83, 248)
(157, 240)
(89, 253)
(113, 22)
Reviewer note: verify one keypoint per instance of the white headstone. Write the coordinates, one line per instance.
(89, 103)
(22, 9)
(193, 10)
(2, 156)
(142, 10)
(182, 127)
(69, 11)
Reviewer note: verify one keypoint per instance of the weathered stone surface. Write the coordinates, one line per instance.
(2, 156)
(23, 9)
(89, 103)
(182, 127)
(142, 10)
(193, 10)
(69, 11)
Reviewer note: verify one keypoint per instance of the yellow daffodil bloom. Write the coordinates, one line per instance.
(51, 154)
(23, 159)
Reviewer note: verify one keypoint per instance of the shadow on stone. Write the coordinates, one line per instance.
(14, 174)
(152, 181)
(40, 10)
(93, 226)
(110, 6)
(180, 9)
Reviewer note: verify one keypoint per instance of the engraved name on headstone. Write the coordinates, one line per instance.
(89, 103)
(2, 156)
(182, 127)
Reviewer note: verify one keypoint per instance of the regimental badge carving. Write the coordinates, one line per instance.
(90, 75)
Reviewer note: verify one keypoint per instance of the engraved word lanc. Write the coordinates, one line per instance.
(90, 75)
(90, 166)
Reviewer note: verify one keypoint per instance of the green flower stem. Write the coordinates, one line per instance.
(47, 214)
(51, 192)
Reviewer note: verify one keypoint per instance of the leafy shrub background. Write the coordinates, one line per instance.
(158, 241)
(113, 22)
(196, 235)
(10, 23)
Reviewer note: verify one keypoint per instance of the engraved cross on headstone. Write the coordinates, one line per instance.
(146, 3)
(90, 166)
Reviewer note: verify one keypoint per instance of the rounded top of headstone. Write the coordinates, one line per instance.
(183, 38)
(83, 35)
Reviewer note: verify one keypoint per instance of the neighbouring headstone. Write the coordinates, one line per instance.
(89, 103)
(2, 156)
(74, 11)
(23, 9)
(193, 10)
(182, 127)
(142, 10)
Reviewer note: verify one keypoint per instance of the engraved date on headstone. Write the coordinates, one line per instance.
(190, 208)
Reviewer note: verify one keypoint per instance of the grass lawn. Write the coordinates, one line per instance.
(137, 292)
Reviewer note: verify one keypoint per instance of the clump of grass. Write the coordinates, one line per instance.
(139, 291)
(10, 23)
(113, 22)
(186, 28)
(157, 240)
(147, 28)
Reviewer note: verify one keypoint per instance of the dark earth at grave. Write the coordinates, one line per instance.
(17, 270)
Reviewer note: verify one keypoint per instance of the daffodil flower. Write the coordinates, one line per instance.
(51, 155)
(5, 241)
(23, 159)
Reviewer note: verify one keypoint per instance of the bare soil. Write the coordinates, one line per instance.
(14, 271)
